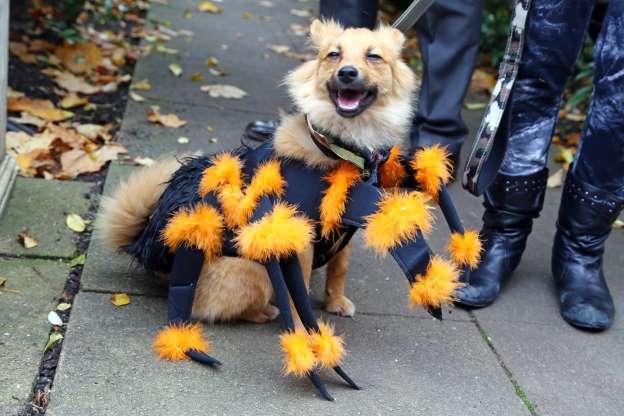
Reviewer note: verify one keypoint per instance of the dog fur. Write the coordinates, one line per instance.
(232, 288)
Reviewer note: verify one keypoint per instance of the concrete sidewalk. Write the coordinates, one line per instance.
(515, 358)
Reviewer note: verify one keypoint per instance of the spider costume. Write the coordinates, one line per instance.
(254, 204)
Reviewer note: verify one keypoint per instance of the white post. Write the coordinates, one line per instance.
(7, 164)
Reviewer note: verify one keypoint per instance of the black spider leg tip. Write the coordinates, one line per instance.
(346, 378)
(314, 378)
(203, 358)
(435, 312)
(274, 270)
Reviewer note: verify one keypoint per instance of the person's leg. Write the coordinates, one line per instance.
(449, 41)
(553, 39)
(593, 195)
(350, 13)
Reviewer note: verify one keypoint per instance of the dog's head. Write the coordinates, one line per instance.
(357, 87)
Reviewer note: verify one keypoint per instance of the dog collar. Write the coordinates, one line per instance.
(333, 147)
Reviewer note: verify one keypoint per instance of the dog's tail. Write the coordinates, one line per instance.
(123, 215)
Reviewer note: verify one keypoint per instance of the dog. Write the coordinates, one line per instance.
(357, 88)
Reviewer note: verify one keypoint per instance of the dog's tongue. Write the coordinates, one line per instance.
(349, 99)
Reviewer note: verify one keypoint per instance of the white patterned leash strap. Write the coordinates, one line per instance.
(411, 15)
(488, 149)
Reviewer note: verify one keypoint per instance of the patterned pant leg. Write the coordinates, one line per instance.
(554, 37)
(600, 158)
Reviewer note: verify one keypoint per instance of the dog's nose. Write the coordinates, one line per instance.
(347, 74)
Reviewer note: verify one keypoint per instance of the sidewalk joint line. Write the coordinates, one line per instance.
(520, 392)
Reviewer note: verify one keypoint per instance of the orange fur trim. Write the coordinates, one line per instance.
(172, 342)
(278, 234)
(400, 216)
(267, 181)
(465, 248)
(432, 167)
(299, 358)
(225, 170)
(392, 172)
(200, 227)
(328, 348)
(334, 200)
(437, 285)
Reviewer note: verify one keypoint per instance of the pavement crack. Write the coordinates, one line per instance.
(520, 392)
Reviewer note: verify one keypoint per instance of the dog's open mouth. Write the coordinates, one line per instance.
(352, 101)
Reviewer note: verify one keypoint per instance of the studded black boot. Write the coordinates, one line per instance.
(511, 203)
(586, 215)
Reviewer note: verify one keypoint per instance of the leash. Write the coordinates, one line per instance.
(411, 15)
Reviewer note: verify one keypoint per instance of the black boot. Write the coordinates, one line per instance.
(511, 203)
(586, 215)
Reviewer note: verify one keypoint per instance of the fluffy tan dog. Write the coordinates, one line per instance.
(357, 88)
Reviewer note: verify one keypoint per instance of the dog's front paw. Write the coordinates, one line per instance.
(262, 316)
(340, 305)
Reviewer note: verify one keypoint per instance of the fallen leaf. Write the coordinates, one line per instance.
(279, 48)
(2, 281)
(142, 85)
(175, 69)
(217, 72)
(474, 106)
(78, 260)
(72, 83)
(27, 240)
(223, 90)
(77, 161)
(565, 155)
(298, 30)
(63, 306)
(37, 107)
(26, 118)
(167, 120)
(21, 51)
(72, 100)
(214, 140)
(197, 76)
(76, 223)
(54, 319)
(120, 299)
(619, 224)
(183, 140)
(11, 93)
(163, 49)
(211, 61)
(118, 57)
(573, 139)
(136, 97)
(144, 161)
(209, 7)
(481, 82)
(79, 57)
(556, 179)
(54, 339)
(266, 3)
(578, 117)
(247, 15)
(300, 12)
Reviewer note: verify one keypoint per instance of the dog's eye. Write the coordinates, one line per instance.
(333, 55)
(374, 57)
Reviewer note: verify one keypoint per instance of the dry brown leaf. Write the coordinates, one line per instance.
(279, 48)
(144, 161)
(27, 240)
(298, 30)
(300, 12)
(91, 131)
(578, 117)
(118, 57)
(136, 97)
(167, 120)
(26, 118)
(11, 93)
(76, 223)
(72, 83)
(120, 299)
(285, 50)
(72, 100)
(77, 161)
(21, 51)
(211, 61)
(223, 90)
(79, 57)
(209, 7)
(43, 109)
(482, 82)
(197, 76)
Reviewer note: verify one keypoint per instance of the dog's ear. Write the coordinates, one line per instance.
(393, 38)
(322, 30)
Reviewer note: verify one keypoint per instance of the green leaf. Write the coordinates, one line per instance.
(54, 339)
(78, 260)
